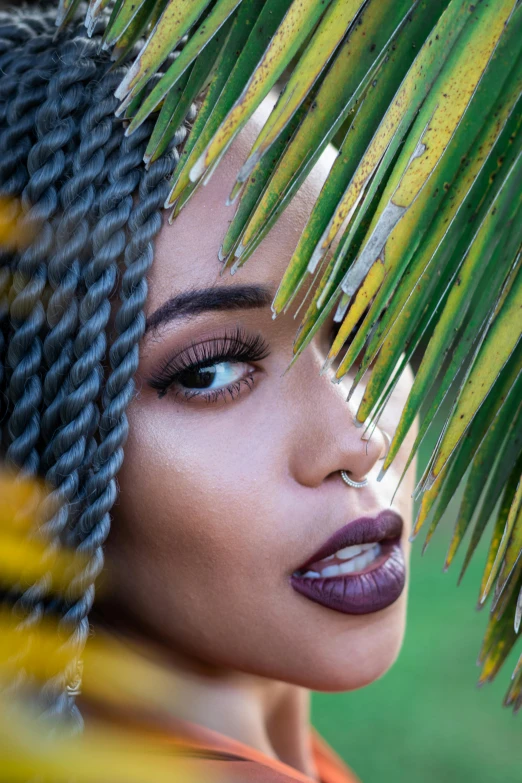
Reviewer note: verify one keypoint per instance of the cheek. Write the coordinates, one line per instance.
(193, 521)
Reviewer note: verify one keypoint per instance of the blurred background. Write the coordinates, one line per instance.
(425, 720)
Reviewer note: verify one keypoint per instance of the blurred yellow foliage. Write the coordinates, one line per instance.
(116, 676)
(26, 556)
(100, 755)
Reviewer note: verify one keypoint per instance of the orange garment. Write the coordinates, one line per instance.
(219, 758)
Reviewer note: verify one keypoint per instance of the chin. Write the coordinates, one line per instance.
(361, 653)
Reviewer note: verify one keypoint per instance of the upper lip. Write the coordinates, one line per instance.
(363, 530)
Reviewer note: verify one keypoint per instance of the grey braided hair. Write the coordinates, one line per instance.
(78, 187)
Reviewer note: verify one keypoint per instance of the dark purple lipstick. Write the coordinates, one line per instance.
(358, 570)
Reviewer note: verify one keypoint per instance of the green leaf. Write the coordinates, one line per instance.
(317, 313)
(484, 516)
(479, 309)
(498, 643)
(66, 10)
(292, 32)
(199, 41)
(433, 212)
(511, 564)
(179, 99)
(489, 464)
(444, 248)
(461, 459)
(257, 181)
(345, 82)
(252, 31)
(368, 116)
(134, 31)
(405, 200)
(480, 252)
(481, 313)
(177, 18)
(409, 99)
(514, 694)
(501, 340)
(128, 13)
(164, 124)
(330, 32)
(94, 8)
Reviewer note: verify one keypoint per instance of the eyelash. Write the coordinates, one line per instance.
(236, 347)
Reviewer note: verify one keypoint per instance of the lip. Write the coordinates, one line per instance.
(373, 588)
(363, 530)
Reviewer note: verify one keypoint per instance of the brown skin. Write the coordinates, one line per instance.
(220, 502)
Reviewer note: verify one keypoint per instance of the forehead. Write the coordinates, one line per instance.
(186, 251)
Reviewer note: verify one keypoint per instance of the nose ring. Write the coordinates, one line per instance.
(351, 483)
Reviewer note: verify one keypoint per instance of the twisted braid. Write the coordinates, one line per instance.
(46, 162)
(144, 222)
(100, 492)
(18, 118)
(13, 35)
(73, 396)
(88, 203)
(73, 237)
(108, 240)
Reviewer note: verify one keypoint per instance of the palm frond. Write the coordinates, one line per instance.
(416, 237)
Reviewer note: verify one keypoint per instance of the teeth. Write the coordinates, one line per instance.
(365, 554)
(352, 551)
(333, 570)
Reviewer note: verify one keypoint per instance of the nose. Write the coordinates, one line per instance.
(325, 439)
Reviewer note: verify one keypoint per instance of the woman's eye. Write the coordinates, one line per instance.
(213, 376)
(211, 370)
(209, 382)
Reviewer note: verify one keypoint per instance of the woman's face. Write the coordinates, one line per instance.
(224, 495)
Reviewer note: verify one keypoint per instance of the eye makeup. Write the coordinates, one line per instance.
(194, 373)
(191, 372)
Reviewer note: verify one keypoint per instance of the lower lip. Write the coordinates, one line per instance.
(377, 586)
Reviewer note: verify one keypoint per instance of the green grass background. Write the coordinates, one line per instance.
(425, 720)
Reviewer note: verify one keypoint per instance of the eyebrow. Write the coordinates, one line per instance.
(181, 306)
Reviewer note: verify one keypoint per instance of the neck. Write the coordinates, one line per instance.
(270, 716)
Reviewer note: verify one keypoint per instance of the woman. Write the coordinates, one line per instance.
(251, 547)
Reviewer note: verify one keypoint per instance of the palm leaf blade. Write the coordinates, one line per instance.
(350, 74)
(176, 19)
(508, 419)
(337, 19)
(252, 31)
(206, 32)
(427, 215)
(298, 22)
(497, 347)
(365, 122)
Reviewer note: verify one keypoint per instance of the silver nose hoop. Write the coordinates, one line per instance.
(356, 484)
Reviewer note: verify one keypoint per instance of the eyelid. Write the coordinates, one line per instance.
(237, 346)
